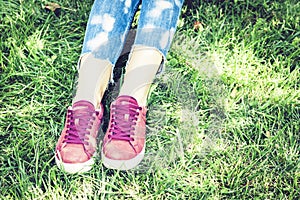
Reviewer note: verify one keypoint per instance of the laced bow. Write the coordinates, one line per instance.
(124, 116)
(80, 119)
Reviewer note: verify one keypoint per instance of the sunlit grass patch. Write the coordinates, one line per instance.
(222, 122)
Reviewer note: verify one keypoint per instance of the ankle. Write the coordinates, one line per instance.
(140, 94)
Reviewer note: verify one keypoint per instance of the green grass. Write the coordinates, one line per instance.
(223, 120)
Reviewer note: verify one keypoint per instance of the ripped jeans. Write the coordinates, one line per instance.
(110, 20)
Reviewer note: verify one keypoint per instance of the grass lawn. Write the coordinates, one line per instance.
(223, 120)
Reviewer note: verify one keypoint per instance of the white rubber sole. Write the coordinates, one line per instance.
(123, 164)
(73, 168)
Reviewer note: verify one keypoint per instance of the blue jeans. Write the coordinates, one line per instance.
(110, 20)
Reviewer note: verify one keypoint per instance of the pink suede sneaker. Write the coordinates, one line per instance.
(76, 147)
(125, 140)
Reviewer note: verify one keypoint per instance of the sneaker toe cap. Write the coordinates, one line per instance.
(73, 154)
(119, 150)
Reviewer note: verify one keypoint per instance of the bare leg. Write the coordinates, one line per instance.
(93, 79)
(140, 73)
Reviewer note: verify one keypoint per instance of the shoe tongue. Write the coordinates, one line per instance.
(125, 100)
(82, 110)
(83, 105)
